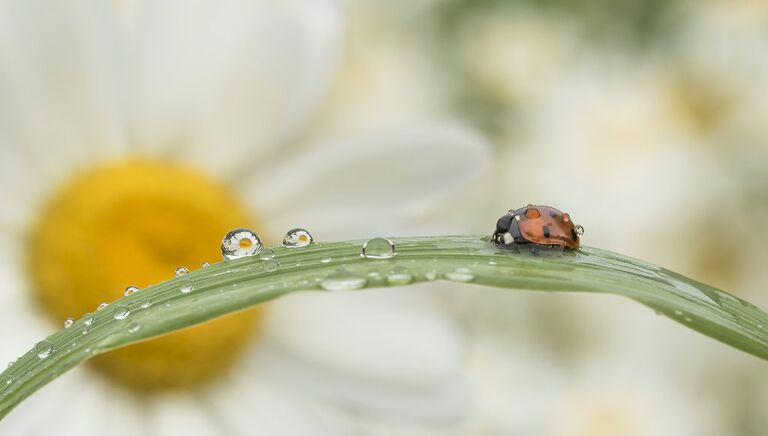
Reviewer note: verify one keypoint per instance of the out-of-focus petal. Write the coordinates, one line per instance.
(271, 409)
(225, 83)
(364, 183)
(387, 355)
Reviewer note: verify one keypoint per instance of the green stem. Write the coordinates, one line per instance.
(235, 285)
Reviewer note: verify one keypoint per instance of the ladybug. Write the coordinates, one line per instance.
(538, 225)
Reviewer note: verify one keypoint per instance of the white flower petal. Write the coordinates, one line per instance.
(386, 353)
(58, 84)
(225, 83)
(387, 174)
(71, 394)
(179, 414)
(271, 410)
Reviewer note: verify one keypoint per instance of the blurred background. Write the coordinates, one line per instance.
(133, 135)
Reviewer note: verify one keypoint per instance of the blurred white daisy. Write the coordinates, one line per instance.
(116, 122)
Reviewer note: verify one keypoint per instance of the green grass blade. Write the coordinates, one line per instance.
(235, 285)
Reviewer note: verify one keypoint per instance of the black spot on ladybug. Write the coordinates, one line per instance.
(552, 214)
(574, 235)
(546, 231)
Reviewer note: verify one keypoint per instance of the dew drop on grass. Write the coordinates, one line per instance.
(343, 280)
(460, 275)
(399, 276)
(296, 238)
(120, 312)
(9, 381)
(69, 322)
(43, 349)
(431, 275)
(326, 260)
(271, 265)
(88, 319)
(134, 327)
(130, 290)
(186, 286)
(145, 303)
(240, 243)
(180, 271)
(267, 254)
(378, 248)
(102, 305)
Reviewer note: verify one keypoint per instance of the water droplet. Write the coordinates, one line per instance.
(130, 290)
(9, 381)
(431, 275)
(296, 238)
(69, 322)
(378, 248)
(460, 275)
(134, 327)
(240, 243)
(271, 265)
(688, 319)
(145, 303)
(579, 230)
(326, 260)
(399, 276)
(343, 280)
(491, 262)
(43, 349)
(102, 305)
(10, 364)
(205, 265)
(180, 271)
(120, 312)
(186, 286)
(678, 312)
(267, 254)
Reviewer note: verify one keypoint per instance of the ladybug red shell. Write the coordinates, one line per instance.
(540, 225)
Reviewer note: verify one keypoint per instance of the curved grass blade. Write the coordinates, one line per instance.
(235, 285)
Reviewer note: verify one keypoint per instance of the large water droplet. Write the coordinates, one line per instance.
(240, 243)
(460, 275)
(88, 319)
(186, 286)
(297, 238)
(399, 276)
(180, 271)
(120, 312)
(69, 322)
(130, 290)
(378, 248)
(102, 305)
(43, 349)
(579, 230)
(343, 280)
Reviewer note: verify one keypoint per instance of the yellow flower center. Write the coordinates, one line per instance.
(133, 223)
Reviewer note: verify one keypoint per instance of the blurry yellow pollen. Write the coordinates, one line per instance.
(132, 223)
